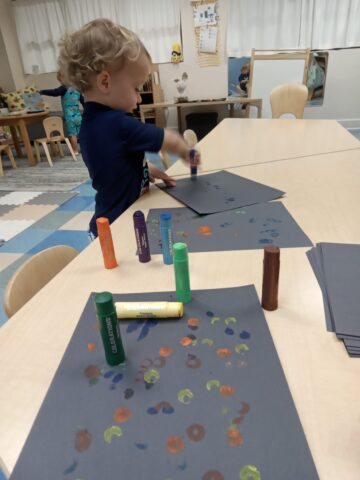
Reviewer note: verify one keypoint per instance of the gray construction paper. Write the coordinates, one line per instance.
(259, 417)
(247, 228)
(315, 265)
(351, 343)
(219, 192)
(341, 266)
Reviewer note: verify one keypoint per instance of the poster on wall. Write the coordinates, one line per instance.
(316, 77)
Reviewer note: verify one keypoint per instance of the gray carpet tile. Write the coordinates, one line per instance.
(5, 209)
(52, 198)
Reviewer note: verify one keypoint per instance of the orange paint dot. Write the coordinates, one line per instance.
(204, 230)
(226, 390)
(166, 351)
(186, 341)
(193, 322)
(174, 444)
(224, 352)
(122, 414)
(91, 346)
(234, 437)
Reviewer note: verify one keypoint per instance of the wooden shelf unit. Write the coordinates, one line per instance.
(152, 93)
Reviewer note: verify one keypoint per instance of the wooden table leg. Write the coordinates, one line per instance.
(27, 144)
(16, 142)
(179, 119)
(231, 114)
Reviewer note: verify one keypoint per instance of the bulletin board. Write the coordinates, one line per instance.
(270, 68)
(207, 33)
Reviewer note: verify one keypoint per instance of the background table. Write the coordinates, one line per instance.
(323, 194)
(238, 142)
(256, 102)
(22, 121)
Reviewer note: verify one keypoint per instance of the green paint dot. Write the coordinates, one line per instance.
(151, 376)
(185, 396)
(240, 347)
(229, 320)
(111, 432)
(207, 341)
(249, 472)
(214, 320)
(211, 384)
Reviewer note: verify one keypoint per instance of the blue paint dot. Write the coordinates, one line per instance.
(109, 374)
(152, 411)
(168, 410)
(265, 241)
(229, 331)
(149, 385)
(71, 468)
(141, 446)
(244, 335)
(117, 378)
(252, 220)
(191, 336)
(129, 392)
(210, 314)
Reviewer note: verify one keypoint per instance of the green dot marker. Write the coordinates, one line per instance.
(182, 278)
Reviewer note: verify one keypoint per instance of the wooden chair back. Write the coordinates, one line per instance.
(53, 127)
(34, 274)
(290, 98)
(190, 138)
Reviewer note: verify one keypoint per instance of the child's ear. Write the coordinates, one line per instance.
(103, 81)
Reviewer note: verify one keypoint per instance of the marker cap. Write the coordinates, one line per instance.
(180, 252)
(104, 304)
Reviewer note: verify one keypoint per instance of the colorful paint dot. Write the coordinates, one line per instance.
(118, 378)
(193, 361)
(122, 414)
(214, 320)
(141, 446)
(210, 314)
(151, 376)
(166, 351)
(245, 408)
(223, 352)
(152, 411)
(91, 346)
(234, 437)
(225, 410)
(83, 440)
(71, 468)
(146, 363)
(111, 432)
(174, 444)
(109, 374)
(185, 396)
(213, 475)
(159, 362)
(205, 230)
(229, 331)
(196, 432)
(211, 384)
(128, 393)
(229, 320)
(193, 322)
(265, 241)
(226, 390)
(164, 407)
(249, 472)
(207, 341)
(185, 341)
(240, 347)
(244, 335)
(92, 372)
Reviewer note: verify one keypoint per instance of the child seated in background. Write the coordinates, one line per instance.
(244, 77)
(70, 101)
(108, 64)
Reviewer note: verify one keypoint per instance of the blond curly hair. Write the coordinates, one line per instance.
(97, 46)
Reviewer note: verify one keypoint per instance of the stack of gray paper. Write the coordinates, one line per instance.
(337, 269)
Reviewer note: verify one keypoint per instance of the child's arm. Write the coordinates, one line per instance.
(54, 92)
(174, 143)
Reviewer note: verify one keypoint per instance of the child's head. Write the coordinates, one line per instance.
(106, 61)
(245, 69)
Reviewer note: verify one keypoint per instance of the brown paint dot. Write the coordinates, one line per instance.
(193, 322)
(122, 414)
(166, 351)
(186, 341)
(174, 444)
(226, 390)
(224, 352)
(159, 362)
(245, 408)
(204, 230)
(193, 361)
(91, 372)
(196, 432)
(146, 363)
(83, 440)
(213, 475)
(234, 437)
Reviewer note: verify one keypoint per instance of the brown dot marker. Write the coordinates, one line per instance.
(270, 286)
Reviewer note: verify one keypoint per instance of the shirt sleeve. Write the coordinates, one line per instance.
(141, 136)
(54, 92)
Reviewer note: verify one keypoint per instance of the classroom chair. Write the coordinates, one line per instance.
(289, 98)
(190, 137)
(54, 131)
(7, 149)
(34, 274)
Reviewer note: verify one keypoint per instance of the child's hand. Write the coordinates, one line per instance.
(155, 172)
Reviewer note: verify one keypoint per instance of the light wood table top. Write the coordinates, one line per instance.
(323, 195)
(237, 142)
